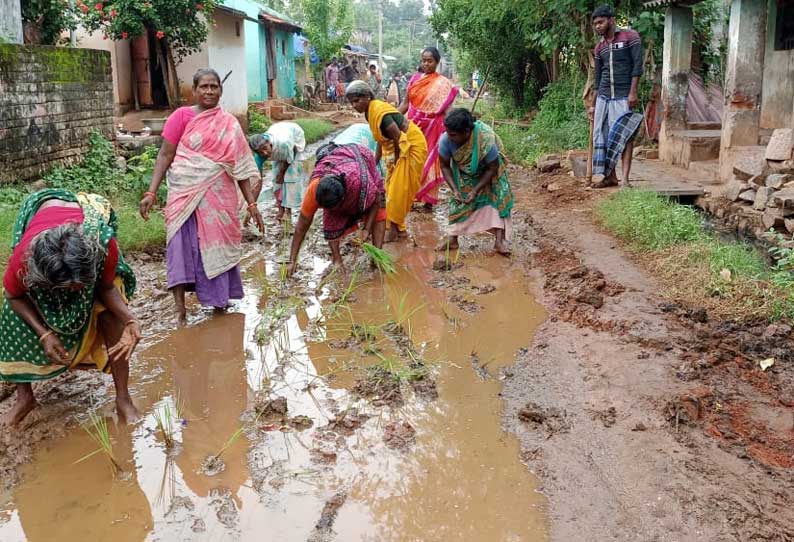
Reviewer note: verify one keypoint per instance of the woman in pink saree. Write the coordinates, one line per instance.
(428, 96)
(208, 162)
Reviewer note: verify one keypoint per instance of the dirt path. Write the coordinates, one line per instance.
(630, 442)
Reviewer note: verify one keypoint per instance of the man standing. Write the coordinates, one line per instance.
(618, 67)
(331, 79)
(374, 80)
(350, 72)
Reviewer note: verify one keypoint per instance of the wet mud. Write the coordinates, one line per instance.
(341, 408)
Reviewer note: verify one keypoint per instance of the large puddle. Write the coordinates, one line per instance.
(369, 469)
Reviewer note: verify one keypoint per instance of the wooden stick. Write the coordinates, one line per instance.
(590, 155)
(482, 87)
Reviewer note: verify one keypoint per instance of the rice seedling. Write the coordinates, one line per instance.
(402, 322)
(398, 371)
(167, 418)
(382, 259)
(283, 272)
(454, 321)
(272, 317)
(97, 429)
(342, 303)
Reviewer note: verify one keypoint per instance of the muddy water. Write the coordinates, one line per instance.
(458, 478)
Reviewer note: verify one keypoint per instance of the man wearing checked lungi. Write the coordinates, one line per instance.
(618, 67)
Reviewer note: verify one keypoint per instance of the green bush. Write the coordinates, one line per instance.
(258, 123)
(648, 221)
(560, 124)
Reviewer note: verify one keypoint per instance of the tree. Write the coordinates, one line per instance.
(489, 35)
(45, 20)
(180, 27)
(327, 24)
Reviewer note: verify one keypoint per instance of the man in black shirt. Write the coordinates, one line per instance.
(618, 67)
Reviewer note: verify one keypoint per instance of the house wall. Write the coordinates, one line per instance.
(121, 63)
(256, 61)
(185, 70)
(51, 99)
(227, 53)
(285, 64)
(778, 89)
(11, 21)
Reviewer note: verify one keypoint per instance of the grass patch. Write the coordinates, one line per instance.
(730, 279)
(136, 234)
(648, 221)
(315, 129)
(7, 217)
(517, 143)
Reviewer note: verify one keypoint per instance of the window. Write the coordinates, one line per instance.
(284, 47)
(784, 26)
(237, 28)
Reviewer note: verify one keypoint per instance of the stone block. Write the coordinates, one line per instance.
(778, 180)
(748, 195)
(546, 165)
(784, 199)
(781, 145)
(762, 196)
(758, 180)
(733, 189)
(773, 218)
(748, 166)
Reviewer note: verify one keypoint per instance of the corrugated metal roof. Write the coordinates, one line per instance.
(272, 17)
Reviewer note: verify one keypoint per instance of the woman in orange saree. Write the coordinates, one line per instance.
(428, 97)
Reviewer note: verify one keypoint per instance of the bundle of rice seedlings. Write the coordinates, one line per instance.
(167, 418)
(97, 428)
(382, 259)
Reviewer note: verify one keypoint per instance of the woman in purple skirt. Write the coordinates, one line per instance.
(206, 157)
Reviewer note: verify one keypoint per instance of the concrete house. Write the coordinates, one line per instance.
(758, 89)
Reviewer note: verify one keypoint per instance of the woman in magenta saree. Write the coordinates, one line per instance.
(428, 97)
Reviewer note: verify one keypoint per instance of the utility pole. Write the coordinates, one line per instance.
(380, 37)
(411, 38)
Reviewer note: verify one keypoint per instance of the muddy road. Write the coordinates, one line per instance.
(551, 396)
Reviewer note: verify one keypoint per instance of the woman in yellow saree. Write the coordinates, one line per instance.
(402, 145)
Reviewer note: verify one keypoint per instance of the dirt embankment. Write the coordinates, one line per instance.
(645, 419)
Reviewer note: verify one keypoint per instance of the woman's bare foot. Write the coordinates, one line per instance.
(24, 404)
(392, 236)
(449, 244)
(127, 410)
(502, 248)
(181, 319)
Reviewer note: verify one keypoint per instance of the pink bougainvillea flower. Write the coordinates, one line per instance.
(124, 35)
(160, 34)
(98, 6)
(104, 37)
(84, 8)
(113, 13)
(199, 7)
